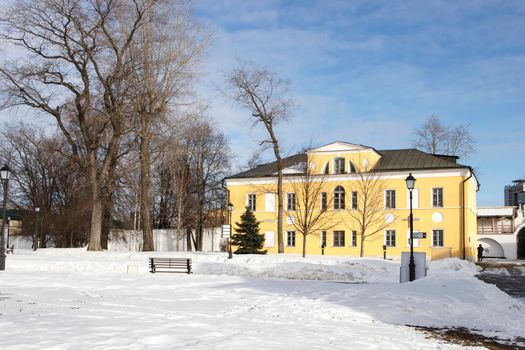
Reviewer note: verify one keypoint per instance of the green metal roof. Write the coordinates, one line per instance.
(391, 160)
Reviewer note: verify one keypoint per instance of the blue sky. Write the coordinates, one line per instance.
(369, 72)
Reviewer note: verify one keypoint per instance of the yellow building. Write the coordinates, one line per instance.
(350, 198)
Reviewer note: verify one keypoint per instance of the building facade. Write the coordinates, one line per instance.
(501, 231)
(515, 193)
(361, 198)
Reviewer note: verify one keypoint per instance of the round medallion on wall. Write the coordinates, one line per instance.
(389, 218)
(437, 217)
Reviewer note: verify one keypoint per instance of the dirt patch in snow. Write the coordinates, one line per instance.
(465, 337)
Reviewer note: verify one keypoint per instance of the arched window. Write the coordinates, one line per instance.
(352, 167)
(326, 169)
(339, 197)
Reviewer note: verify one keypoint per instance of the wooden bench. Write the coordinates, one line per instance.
(182, 265)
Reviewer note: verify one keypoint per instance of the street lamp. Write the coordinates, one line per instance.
(5, 173)
(410, 180)
(230, 209)
(35, 239)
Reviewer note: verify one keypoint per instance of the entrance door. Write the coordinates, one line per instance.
(521, 244)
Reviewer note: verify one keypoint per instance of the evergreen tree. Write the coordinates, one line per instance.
(247, 237)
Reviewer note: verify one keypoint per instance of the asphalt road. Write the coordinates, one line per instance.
(507, 276)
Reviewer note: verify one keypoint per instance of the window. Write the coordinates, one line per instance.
(323, 239)
(324, 200)
(390, 199)
(339, 198)
(326, 169)
(339, 166)
(290, 201)
(390, 238)
(339, 238)
(437, 238)
(290, 238)
(353, 243)
(437, 197)
(352, 167)
(252, 199)
(354, 200)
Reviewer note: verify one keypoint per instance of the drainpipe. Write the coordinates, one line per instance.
(463, 221)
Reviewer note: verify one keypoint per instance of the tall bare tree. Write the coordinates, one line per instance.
(164, 55)
(74, 71)
(369, 218)
(309, 211)
(435, 137)
(265, 96)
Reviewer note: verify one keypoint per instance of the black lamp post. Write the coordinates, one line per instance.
(410, 180)
(230, 209)
(35, 239)
(5, 173)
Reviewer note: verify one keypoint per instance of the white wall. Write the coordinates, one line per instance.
(164, 240)
(506, 242)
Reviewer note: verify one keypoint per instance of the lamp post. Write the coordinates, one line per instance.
(35, 239)
(5, 173)
(410, 180)
(230, 209)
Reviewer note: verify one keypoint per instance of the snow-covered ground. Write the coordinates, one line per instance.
(73, 299)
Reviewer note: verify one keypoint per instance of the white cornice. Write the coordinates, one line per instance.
(352, 177)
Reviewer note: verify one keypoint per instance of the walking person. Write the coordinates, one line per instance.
(480, 252)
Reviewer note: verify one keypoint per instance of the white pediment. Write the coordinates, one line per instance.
(339, 146)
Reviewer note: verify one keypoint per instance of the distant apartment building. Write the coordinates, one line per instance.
(515, 193)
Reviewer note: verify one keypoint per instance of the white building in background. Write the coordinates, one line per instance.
(501, 231)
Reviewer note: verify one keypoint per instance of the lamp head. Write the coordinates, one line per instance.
(5, 173)
(411, 181)
(230, 207)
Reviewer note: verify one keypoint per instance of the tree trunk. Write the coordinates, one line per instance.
(362, 245)
(106, 222)
(96, 222)
(96, 208)
(304, 245)
(145, 182)
(188, 239)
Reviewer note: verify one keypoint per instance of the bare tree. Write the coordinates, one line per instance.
(74, 72)
(264, 95)
(367, 212)
(308, 205)
(44, 177)
(167, 48)
(436, 138)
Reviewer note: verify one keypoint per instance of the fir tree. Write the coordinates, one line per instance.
(247, 237)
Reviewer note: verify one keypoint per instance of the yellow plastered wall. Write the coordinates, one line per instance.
(426, 217)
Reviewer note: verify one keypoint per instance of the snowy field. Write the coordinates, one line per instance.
(73, 299)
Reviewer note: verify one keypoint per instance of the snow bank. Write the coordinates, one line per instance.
(451, 295)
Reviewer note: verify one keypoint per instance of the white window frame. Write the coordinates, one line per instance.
(442, 237)
(324, 201)
(323, 239)
(341, 204)
(335, 165)
(386, 197)
(288, 206)
(387, 238)
(353, 238)
(290, 234)
(354, 204)
(342, 244)
(442, 197)
(248, 204)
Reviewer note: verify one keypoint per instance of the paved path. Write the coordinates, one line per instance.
(507, 276)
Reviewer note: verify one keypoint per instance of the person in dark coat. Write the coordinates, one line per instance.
(480, 252)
